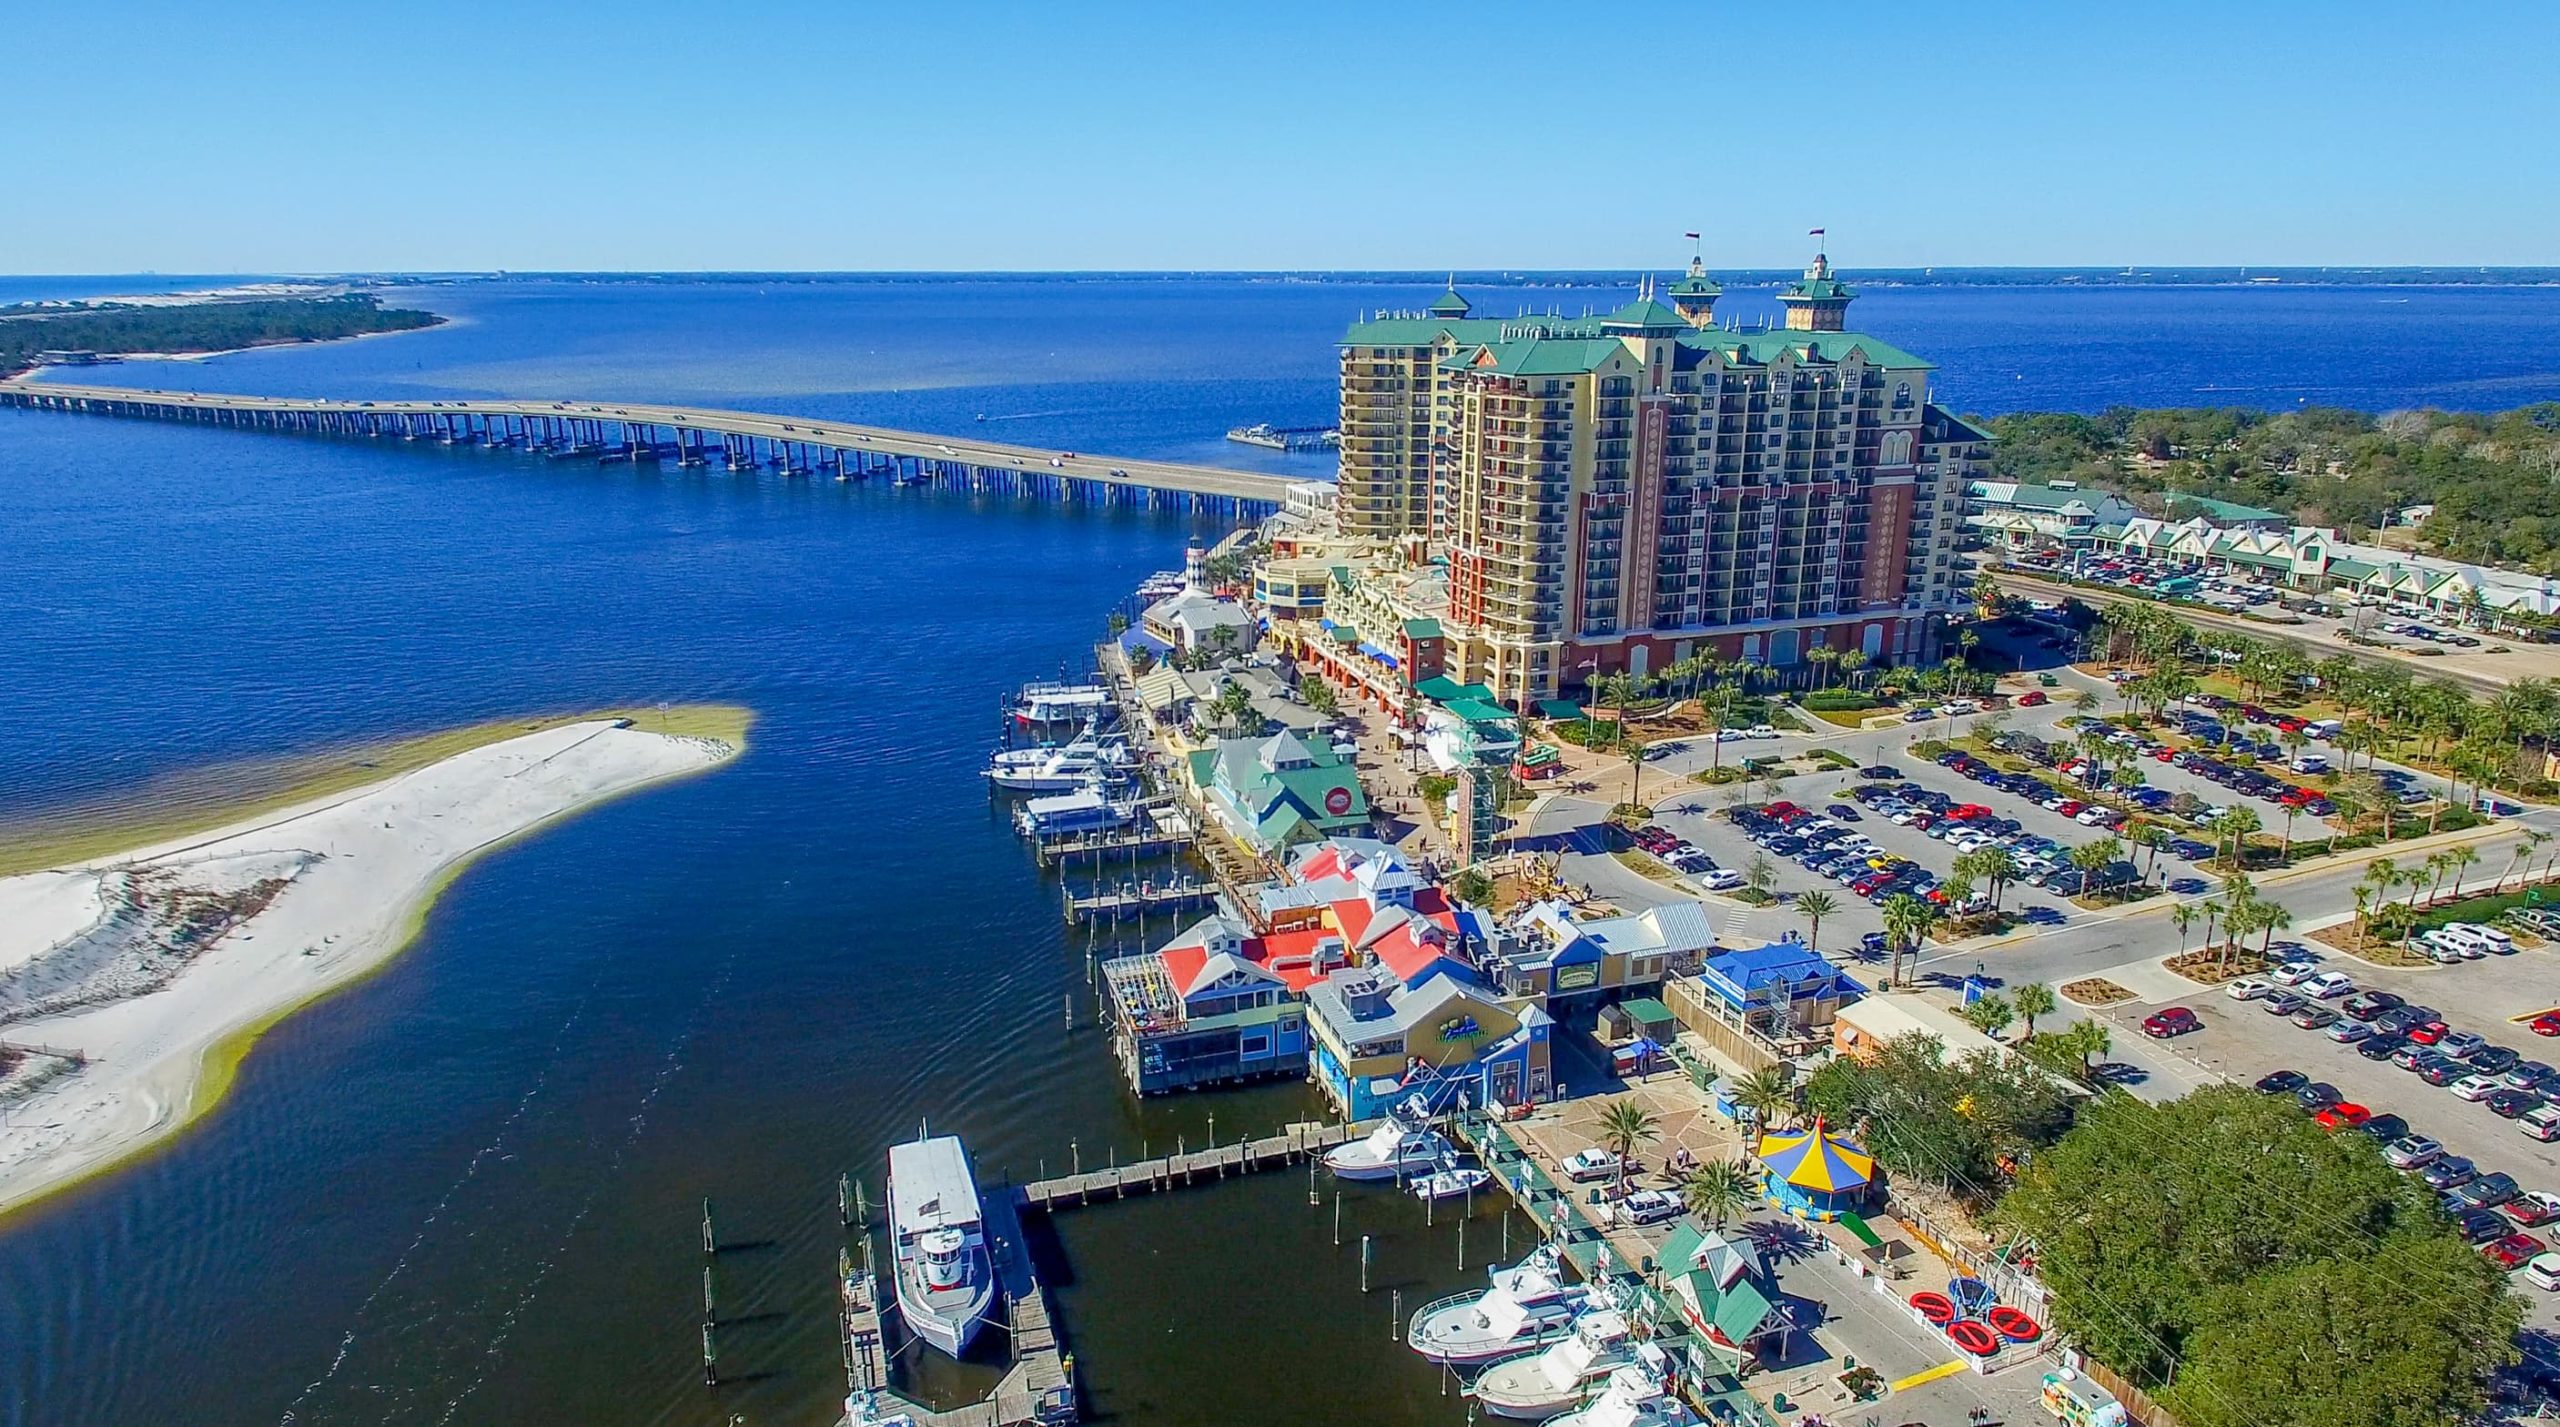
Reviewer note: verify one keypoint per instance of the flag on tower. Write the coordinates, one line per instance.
(1816, 233)
(1690, 236)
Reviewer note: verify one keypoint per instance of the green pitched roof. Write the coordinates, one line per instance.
(1646, 314)
(1422, 629)
(1740, 1311)
(1449, 304)
(1695, 287)
(2346, 569)
(1476, 711)
(2221, 509)
(1817, 289)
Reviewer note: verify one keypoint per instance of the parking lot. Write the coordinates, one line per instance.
(2398, 626)
(2495, 998)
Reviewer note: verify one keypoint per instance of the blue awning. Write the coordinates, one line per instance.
(1372, 650)
(1325, 622)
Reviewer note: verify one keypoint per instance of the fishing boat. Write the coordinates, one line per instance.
(1092, 807)
(1450, 1181)
(1528, 1305)
(945, 1276)
(1536, 1386)
(1401, 1148)
(1059, 767)
(1639, 1395)
(1055, 703)
(1160, 585)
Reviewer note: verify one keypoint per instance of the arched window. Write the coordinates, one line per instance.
(1902, 396)
(1897, 448)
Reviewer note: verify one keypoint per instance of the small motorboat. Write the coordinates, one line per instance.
(1450, 1181)
(1528, 1305)
(1536, 1386)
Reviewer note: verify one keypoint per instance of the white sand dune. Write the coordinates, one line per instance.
(359, 868)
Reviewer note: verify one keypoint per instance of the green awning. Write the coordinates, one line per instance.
(1559, 708)
(1740, 1311)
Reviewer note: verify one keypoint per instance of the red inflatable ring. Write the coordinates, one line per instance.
(1973, 1338)
(2014, 1324)
(1936, 1307)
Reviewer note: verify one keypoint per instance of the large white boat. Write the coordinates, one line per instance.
(1041, 704)
(1090, 808)
(1059, 767)
(945, 1275)
(1529, 1304)
(1398, 1149)
(1450, 1181)
(1536, 1386)
(1639, 1395)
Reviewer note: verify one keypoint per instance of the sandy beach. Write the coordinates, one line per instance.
(153, 969)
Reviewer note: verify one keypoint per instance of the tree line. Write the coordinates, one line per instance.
(2493, 478)
(198, 327)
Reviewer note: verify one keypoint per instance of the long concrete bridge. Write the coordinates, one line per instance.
(697, 436)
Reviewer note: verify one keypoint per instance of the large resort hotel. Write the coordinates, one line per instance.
(1599, 495)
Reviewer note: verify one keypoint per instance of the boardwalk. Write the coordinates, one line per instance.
(1173, 1171)
(1138, 900)
(691, 435)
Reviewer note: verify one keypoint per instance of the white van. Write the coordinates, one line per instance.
(2459, 937)
(2323, 729)
(2310, 763)
(2489, 939)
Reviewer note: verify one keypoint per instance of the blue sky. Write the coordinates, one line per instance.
(285, 135)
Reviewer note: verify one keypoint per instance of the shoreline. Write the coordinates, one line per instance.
(344, 881)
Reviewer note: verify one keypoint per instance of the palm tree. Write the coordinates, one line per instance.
(1813, 906)
(1634, 750)
(2184, 915)
(1990, 1015)
(2270, 919)
(2234, 827)
(2460, 859)
(1721, 1189)
(1906, 920)
(1995, 866)
(1626, 1126)
(1766, 1093)
(2522, 855)
(2032, 1000)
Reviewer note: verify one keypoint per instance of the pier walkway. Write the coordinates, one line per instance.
(1119, 1181)
(696, 436)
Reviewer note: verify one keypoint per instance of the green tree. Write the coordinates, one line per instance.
(1813, 906)
(1319, 696)
(1990, 1014)
(2410, 1335)
(1626, 1127)
(1907, 919)
(1759, 874)
(1721, 1190)
(1767, 1093)
(2232, 830)
(1473, 886)
(2143, 1215)
(2033, 999)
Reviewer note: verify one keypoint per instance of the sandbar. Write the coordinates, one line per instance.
(132, 983)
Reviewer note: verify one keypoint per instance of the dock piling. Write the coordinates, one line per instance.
(1364, 1263)
(710, 1311)
(1395, 1313)
(710, 1359)
(710, 1245)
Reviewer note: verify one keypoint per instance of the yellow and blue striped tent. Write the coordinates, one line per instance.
(1812, 1171)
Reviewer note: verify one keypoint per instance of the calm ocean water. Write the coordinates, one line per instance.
(466, 1190)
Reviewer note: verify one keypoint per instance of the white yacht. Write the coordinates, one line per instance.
(1398, 1149)
(1090, 808)
(1040, 704)
(1638, 1395)
(1059, 767)
(1450, 1181)
(945, 1276)
(1536, 1386)
(1529, 1304)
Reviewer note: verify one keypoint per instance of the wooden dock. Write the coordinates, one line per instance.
(1167, 1172)
(1038, 1391)
(1136, 845)
(1139, 900)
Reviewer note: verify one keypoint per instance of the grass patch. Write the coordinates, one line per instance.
(168, 809)
(1834, 758)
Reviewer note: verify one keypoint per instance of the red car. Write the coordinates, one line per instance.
(2512, 1250)
(2175, 1021)
(1779, 809)
(2546, 1024)
(2345, 1115)
(2430, 1033)
(2071, 808)
(2165, 755)
(2031, 698)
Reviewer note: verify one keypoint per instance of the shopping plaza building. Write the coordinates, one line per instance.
(1615, 494)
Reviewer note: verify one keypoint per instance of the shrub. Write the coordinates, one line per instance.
(1839, 701)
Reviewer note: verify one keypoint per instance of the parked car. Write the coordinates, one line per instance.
(2281, 1082)
(2316, 1096)
(2248, 988)
(2512, 1250)
(2532, 1209)
(2486, 1192)
(1647, 1206)
(2345, 1115)
(2412, 1152)
(2326, 986)
(2173, 1021)
(2475, 1087)
(2542, 1124)
(1589, 1164)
